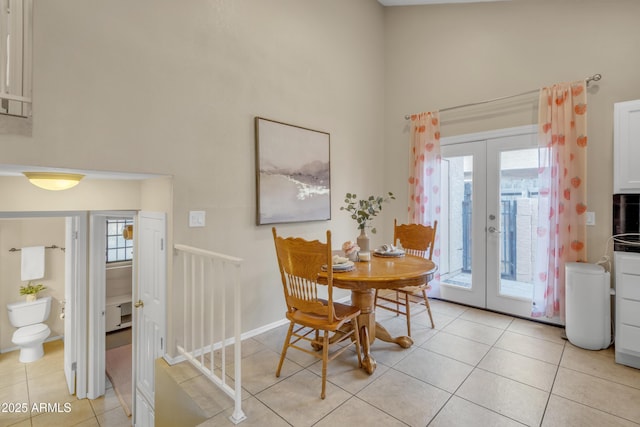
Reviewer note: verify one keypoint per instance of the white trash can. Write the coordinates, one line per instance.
(588, 305)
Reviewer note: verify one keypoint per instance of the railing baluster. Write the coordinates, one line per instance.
(193, 302)
(224, 330)
(211, 265)
(185, 298)
(237, 353)
(202, 346)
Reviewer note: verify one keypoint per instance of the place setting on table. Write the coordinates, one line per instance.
(352, 255)
(389, 251)
(340, 264)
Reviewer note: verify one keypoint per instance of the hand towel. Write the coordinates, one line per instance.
(32, 263)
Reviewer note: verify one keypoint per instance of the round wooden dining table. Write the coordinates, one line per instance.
(381, 272)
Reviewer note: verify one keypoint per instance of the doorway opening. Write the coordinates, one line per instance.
(118, 310)
(111, 295)
(64, 269)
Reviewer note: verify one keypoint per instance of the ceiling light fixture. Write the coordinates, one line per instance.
(53, 180)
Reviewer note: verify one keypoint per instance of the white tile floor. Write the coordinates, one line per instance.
(475, 369)
(43, 382)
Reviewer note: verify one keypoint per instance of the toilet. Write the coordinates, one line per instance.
(29, 318)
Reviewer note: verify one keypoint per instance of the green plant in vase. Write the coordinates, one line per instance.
(31, 291)
(363, 211)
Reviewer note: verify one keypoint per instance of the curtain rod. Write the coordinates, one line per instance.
(594, 78)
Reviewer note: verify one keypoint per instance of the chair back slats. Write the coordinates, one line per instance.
(300, 261)
(415, 252)
(416, 239)
(303, 295)
(300, 288)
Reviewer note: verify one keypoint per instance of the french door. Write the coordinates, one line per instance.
(489, 219)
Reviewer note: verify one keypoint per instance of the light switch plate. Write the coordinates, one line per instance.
(590, 219)
(196, 218)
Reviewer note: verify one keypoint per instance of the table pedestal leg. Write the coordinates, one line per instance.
(364, 299)
(383, 334)
(370, 330)
(368, 362)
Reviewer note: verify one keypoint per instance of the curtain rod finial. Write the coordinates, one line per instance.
(594, 78)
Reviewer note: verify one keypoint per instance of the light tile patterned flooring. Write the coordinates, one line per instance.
(476, 368)
(43, 382)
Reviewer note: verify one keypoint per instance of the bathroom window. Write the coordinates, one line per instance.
(118, 248)
(15, 57)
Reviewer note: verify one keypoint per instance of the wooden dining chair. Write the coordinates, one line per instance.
(418, 240)
(300, 261)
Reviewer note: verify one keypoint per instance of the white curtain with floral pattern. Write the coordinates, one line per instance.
(562, 176)
(424, 179)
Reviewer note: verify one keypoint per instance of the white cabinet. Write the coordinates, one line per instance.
(626, 147)
(118, 313)
(627, 342)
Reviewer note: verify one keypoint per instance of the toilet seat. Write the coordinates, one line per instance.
(31, 333)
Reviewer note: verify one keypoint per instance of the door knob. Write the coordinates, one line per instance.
(493, 230)
(139, 304)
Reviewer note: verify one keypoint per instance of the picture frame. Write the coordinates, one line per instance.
(293, 173)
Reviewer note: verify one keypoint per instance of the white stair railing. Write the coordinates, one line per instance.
(211, 285)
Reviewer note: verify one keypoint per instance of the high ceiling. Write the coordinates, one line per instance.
(419, 2)
(16, 170)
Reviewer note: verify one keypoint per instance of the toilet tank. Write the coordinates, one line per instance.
(29, 313)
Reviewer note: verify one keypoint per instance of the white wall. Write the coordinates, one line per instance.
(166, 87)
(118, 279)
(441, 56)
(18, 233)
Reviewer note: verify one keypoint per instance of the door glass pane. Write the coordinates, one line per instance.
(455, 268)
(518, 221)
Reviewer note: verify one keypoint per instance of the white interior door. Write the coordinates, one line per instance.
(75, 312)
(97, 286)
(150, 311)
(70, 361)
(70, 323)
(489, 220)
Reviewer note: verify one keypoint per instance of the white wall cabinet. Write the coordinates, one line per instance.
(118, 313)
(626, 147)
(627, 343)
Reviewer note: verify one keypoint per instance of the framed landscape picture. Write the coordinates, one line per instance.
(293, 179)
